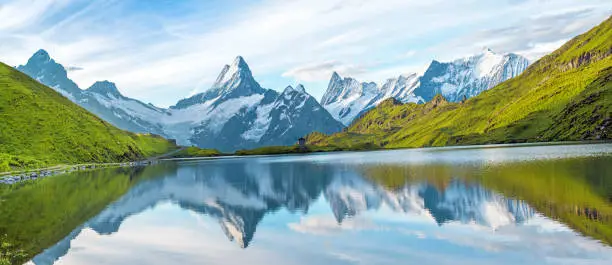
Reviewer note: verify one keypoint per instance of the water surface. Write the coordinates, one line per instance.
(462, 205)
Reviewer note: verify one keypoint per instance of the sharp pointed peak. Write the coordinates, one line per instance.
(335, 75)
(239, 58)
(300, 88)
(239, 62)
(239, 65)
(288, 89)
(41, 52)
(40, 56)
(235, 80)
(238, 68)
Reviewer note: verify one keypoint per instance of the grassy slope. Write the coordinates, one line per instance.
(41, 127)
(566, 95)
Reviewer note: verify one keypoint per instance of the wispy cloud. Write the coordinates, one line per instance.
(161, 51)
(322, 71)
(73, 68)
(327, 225)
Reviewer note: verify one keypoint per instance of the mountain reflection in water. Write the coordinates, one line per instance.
(239, 194)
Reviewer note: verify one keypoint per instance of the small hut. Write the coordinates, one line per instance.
(301, 143)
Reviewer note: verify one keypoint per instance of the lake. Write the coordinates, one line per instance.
(498, 204)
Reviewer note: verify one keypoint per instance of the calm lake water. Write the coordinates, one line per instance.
(464, 205)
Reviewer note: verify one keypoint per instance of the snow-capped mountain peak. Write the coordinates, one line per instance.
(300, 88)
(342, 88)
(234, 81)
(400, 88)
(232, 74)
(487, 63)
(335, 78)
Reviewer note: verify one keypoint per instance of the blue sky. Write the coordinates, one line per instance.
(162, 51)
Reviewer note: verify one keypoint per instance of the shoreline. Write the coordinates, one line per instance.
(89, 166)
(14, 177)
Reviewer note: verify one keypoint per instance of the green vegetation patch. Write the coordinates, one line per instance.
(196, 152)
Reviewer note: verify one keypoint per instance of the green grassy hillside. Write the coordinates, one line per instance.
(38, 127)
(564, 96)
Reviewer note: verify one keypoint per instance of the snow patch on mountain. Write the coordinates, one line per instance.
(487, 62)
(260, 125)
(213, 112)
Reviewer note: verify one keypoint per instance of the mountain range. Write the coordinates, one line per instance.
(235, 113)
(347, 99)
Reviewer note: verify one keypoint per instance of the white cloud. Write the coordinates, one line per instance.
(19, 14)
(160, 57)
(327, 225)
(322, 71)
(537, 50)
(73, 68)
